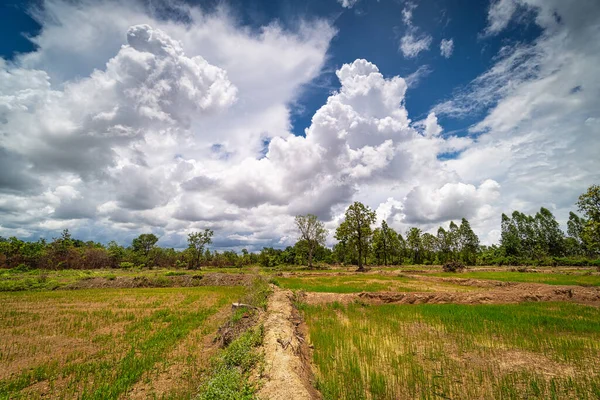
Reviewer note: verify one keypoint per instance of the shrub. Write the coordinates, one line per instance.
(126, 265)
(453, 266)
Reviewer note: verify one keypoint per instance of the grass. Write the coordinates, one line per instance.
(231, 368)
(582, 279)
(106, 344)
(18, 280)
(529, 350)
(345, 283)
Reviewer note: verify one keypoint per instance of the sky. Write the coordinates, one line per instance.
(125, 117)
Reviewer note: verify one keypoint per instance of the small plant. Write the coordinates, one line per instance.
(453, 266)
(126, 265)
(175, 273)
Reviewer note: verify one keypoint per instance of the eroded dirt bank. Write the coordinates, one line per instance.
(287, 370)
(513, 293)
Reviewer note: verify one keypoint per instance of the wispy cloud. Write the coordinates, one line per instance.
(447, 47)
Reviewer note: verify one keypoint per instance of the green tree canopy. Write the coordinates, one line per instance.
(356, 230)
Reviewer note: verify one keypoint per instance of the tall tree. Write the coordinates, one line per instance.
(549, 235)
(382, 242)
(469, 242)
(575, 227)
(443, 245)
(429, 245)
(589, 205)
(144, 243)
(196, 243)
(413, 241)
(312, 231)
(356, 229)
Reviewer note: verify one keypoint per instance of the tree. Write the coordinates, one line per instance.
(428, 245)
(312, 231)
(549, 235)
(413, 241)
(443, 245)
(144, 243)
(356, 231)
(468, 242)
(196, 243)
(509, 239)
(589, 205)
(382, 242)
(575, 243)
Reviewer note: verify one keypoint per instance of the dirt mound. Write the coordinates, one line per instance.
(125, 282)
(507, 294)
(287, 366)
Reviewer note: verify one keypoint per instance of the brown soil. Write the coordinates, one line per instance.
(512, 293)
(123, 282)
(287, 366)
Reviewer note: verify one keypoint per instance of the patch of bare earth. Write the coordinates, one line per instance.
(287, 372)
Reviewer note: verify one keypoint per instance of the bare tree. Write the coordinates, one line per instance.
(312, 231)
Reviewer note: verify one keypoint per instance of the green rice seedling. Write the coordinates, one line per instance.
(529, 350)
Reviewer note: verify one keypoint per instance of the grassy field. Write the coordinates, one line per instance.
(512, 351)
(99, 344)
(365, 283)
(16, 280)
(581, 278)
(345, 283)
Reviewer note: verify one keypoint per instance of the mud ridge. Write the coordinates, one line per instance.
(510, 294)
(287, 371)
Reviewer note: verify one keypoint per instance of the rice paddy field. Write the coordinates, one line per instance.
(508, 351)
(108, 343)
(138, 334)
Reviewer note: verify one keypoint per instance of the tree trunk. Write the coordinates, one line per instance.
(310, 252)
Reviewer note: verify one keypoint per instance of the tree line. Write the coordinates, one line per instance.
(525, 240)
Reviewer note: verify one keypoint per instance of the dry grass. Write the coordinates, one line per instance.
(107, 343)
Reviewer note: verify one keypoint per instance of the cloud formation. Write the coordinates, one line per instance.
(122, 122)
(446, 47)
(413, 42)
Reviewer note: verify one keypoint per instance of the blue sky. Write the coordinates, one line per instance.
(121, 117)
(370, 30)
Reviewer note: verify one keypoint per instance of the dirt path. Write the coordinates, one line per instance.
(287, 371)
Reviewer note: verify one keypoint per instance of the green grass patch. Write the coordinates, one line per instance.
(512, 351)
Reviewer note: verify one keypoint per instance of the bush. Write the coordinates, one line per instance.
(453, 266)
(126, 265)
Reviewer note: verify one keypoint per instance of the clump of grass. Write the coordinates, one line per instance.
(175, 273)
(231, 369)
(229, 377)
